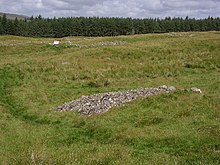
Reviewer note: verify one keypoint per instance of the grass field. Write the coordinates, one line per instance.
(175, 128)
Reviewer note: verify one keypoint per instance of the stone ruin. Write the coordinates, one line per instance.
(102, 102)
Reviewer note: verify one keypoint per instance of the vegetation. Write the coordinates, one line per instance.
(101, 26)
(176, 128)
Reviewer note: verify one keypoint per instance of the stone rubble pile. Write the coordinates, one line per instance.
(102, 102)
(179, 35)
(107, 43)
(15, 43)
(112, 43)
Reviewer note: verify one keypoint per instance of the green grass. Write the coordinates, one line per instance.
(176, 128)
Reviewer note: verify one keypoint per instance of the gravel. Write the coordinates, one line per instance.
(107, 43)
(102, 102)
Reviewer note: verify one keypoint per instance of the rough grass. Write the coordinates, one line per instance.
(178, 128)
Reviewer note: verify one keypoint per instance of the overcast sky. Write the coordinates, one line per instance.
(113, 8)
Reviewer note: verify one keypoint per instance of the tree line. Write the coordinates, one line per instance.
(102, 26)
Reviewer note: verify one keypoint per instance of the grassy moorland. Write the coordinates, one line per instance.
(176, 128)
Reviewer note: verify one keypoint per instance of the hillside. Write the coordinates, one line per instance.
(13, 16)
(180, 127)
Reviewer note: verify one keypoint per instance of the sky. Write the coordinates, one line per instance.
(113, 8)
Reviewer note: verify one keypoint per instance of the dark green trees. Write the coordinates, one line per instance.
(102, 26)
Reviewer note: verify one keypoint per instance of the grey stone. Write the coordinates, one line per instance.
(196, 90)
(102, 102)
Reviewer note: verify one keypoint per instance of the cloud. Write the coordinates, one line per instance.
(69, 4)
(113, 8)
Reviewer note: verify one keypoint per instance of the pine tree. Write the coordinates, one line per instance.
(1, 28)
(95, 26)
(4, 22)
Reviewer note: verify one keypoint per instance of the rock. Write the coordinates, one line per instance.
(171, 88)
(102, 102)
(196, 90)
(55, 43)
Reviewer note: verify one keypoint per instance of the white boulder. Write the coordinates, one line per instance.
(196, 90)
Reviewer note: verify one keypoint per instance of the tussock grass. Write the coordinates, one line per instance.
(177, 128)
